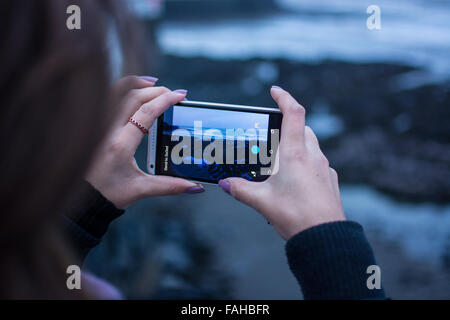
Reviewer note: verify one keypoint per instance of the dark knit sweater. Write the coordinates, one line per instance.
(328, 260)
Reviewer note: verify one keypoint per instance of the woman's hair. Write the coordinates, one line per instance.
(54, 113)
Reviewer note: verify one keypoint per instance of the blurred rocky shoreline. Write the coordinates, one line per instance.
(391, 133)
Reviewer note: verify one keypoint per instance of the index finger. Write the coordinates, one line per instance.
(148, 113)
(122, 86)
(293, 124)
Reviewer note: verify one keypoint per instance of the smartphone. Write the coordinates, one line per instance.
(206, 142)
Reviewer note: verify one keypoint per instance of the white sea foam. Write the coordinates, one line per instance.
(413, 32)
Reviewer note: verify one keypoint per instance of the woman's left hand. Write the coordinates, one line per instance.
(114, 171)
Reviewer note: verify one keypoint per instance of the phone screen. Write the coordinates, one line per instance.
(207, 145)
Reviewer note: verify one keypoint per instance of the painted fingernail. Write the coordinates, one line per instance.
(149, 79)
(225, 185)
(181, 91)
(195, 190)
(276, 87)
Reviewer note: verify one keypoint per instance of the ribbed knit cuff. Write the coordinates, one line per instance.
(94, 213)
(330, 262)
(81, 240)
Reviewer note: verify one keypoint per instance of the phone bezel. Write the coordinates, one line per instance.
(155, 130)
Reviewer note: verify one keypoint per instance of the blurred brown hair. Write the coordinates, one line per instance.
(54, 112)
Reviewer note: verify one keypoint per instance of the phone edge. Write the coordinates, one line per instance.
(225, 106)
(151, 149)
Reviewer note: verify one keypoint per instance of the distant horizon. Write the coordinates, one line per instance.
(213, 118)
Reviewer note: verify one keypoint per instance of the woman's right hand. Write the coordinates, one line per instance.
(114, 171)
(305, 191)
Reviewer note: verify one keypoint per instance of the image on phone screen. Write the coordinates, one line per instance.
(207, 145)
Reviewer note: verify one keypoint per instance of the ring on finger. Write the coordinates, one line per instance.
(138, 125)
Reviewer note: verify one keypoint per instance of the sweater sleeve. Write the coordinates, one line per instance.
(86, 221)
(330, 262)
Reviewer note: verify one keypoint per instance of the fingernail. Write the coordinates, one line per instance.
(150, 79)
(276, 87)
(193, 190)
(181, 91)
(225, 185)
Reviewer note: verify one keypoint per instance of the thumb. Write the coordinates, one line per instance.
(165, 185)
(241, 189)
